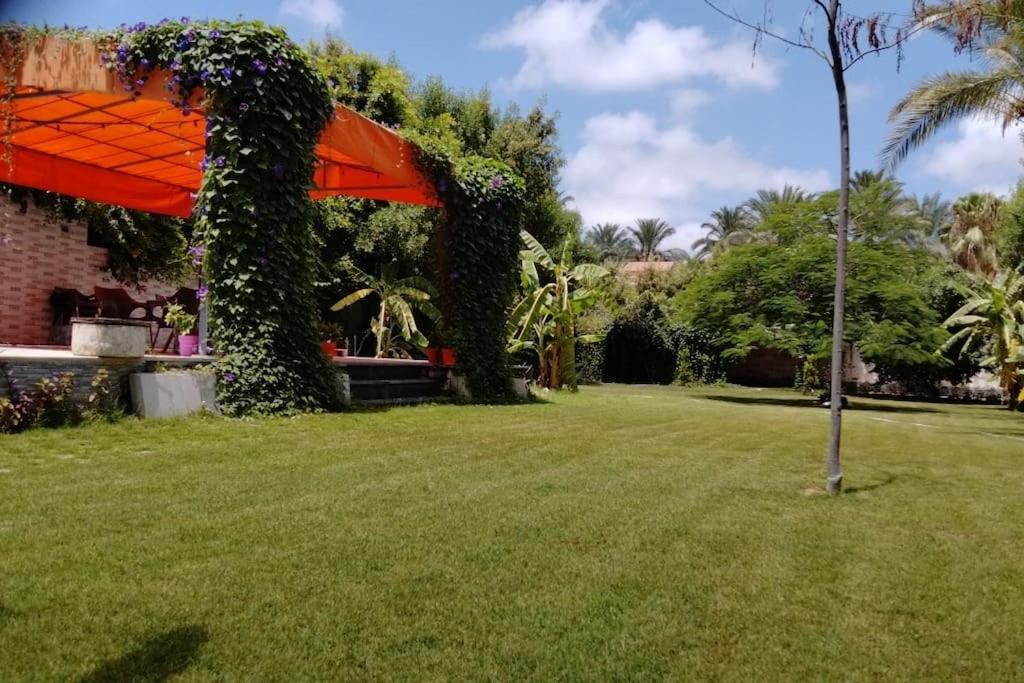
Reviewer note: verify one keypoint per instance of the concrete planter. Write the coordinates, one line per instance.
(168, 394)
(109, 337)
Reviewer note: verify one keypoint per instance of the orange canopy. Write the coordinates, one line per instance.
(76, 132)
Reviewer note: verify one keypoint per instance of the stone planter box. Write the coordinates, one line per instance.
(168, 394)
(109, 337)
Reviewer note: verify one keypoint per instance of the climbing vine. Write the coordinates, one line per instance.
(265, 108)
(476, 251)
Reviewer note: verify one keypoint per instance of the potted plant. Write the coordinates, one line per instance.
(448, 357)
(434, 348)
(330, 333)
(184, 324)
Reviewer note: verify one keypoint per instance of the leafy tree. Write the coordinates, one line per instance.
(376, 89)
(1010, 233)
(544, 319)
(611, 241)
(993, 319)
(395, 326)
(728, 225)
(648, 234)
(971, 234)
(780, 297)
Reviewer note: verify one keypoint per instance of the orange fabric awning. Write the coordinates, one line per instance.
(76, 132)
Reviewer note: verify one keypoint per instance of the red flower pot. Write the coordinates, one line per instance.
(330, 348)
(448, 356)
(433, 355)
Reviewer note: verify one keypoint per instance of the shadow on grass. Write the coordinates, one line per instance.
(870, 487)
(159, 658)
(855, 404)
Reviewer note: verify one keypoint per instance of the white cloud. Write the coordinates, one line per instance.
(860, 91)
(569, 43)
(981, 157)
(628, 167)
(684, 102)
(326, 13)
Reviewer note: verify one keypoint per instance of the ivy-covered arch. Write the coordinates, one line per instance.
(265, 108)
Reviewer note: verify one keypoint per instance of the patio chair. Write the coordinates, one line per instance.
(67, 304)
(117, 303)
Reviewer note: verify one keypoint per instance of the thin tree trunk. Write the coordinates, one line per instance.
(380, 337)
(834, 484)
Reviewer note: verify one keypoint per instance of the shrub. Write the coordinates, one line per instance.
(49, 404)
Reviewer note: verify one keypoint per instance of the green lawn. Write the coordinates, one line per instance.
(625, 532)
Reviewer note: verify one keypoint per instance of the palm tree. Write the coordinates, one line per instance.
(395, 323)
(881, 212)
(970, 233)
(762, 204)
(993, 318)
(610, 240)
(649, 233)
(990, 32)
(544, 319)
(936, 212)
(728, 226)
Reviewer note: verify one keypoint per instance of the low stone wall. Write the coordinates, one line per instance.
(22, 374)
(21, 371)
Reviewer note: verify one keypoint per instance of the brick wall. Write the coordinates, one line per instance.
(37, 255)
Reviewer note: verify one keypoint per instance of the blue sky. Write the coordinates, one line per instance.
(663, 111)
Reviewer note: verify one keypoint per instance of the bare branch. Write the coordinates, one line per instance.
(760, 30)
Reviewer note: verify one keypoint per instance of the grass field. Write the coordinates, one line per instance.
(625, 532)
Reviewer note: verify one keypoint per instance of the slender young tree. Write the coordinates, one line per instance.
(844, 32)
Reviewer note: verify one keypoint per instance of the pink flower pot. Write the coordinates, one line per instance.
(188, 344)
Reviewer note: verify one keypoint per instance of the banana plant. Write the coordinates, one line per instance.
(993, 318)
(544, 319)
(394, 325)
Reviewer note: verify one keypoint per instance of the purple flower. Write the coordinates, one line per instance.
(260, 67)
(497, 181)
(243, 107)
(278, 61)
(104, 57)
(139, 83)
(202, 292)
(226, 72)
(330, 82)
(196, 253)
(229, 376)
(215, 34)
(219, 161)
(144, 63)
(263, 261)
(279, 170)
(184, 20)
(442, 185)
(203, 75)
(122, 54)
(170, 87)
(204, 164)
